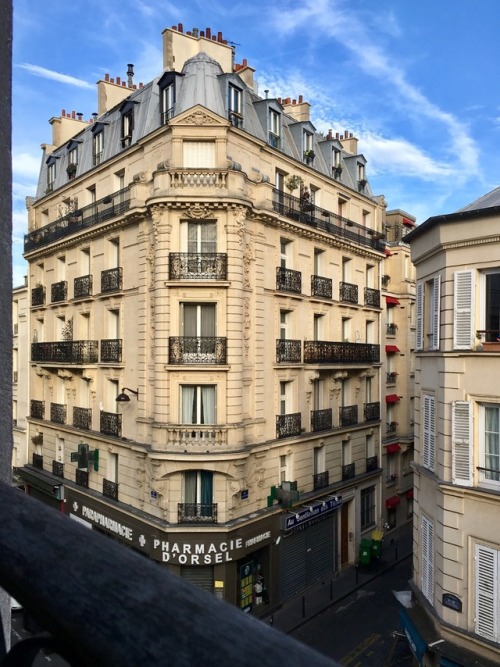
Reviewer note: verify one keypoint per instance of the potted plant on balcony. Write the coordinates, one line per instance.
(305, 200)
(309, 155)
(71, 170)
(293, 182)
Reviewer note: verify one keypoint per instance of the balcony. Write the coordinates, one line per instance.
(371, 464)
(82, 418)
(391, 329)
(320, 480)
(288, 280)
(59, 291)
(110, 424)
(66, 352)
(58, 469)
(38, 461)
(391, 377)
(321, 420)
(38, 296)
(111, 280)
(110, 489)
(82, 477)
(372, 297)
(82, 287)
(197, 266)
(288, 426)
(198, 178)
(348, 293)
(197, 350)
(326, 221)
(321, 287)
(193, 437)
(348, 415)
(197, 513)
(371, 411)
(329, 352)
(111, 351)
(348, 471)
(58, 413)
(75, 221)
(37, 409)
(288, 351)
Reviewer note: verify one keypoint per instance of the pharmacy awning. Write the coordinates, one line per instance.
(392, 398)
(391, 301)
(391, 348)
(393, 448)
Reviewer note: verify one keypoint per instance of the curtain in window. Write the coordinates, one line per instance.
(206, 487)
(190, 486)
(202, 237)
(492, 444)
(493, 306)
(207, 405)
(188, 405)
(190, 319)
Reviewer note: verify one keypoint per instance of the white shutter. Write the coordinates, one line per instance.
(436, 311)
(199, 154)
(428, 454)
(486, 621)
(428, 559)
(419, 313)
(461, 443)
(463, 310)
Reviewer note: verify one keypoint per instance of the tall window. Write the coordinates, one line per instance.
(97, 148)
(428, 559)
(492, 306)
(199, 154)
(285, 393)
(199, 488)
(285, 253)
(319, 460)
(274, 129)
(198, 404)
(429, 434)
(51, 176)
(319, 328)
(490, 445)
(127, 127)
(167, 102)
(367, 507)
(319, 261)
(428, 309)
(234, 105)
(198, 319)
(285, 317)
(112, 467)
(201, 237)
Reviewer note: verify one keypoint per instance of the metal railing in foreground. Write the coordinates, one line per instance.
(105, 605)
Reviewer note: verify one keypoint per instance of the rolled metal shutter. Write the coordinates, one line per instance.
(203, 577)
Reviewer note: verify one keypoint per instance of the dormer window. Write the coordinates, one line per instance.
(274, 128)
(51, 174)
(361, 173)
(307, 145)
(167, 86)
(97, 147)
(72, 160)
(235, 106)
(127, 127)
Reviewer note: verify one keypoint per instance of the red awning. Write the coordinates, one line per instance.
(392, 398)
(409, 494)
(387, 252)
(393, 501)
(391, 301)
(392, 449)
(391, 348)
(408, 222)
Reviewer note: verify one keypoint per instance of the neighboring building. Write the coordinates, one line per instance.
(457, 446)
(398, 370)
(204, 273)
(20, 373)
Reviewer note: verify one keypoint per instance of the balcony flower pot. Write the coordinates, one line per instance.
(491, 346)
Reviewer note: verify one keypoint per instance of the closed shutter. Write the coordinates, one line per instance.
(293, 568)
(320, 551)
(419, 311)
(436, 311)
(461, 442)
(428, 559)
(486, 621)
(199, 154)
(428, 455)
(463, 310)
(202, 577)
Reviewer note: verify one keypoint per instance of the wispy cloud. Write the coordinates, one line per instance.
(45, 73)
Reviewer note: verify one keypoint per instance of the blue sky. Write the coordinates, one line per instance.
(416, 82)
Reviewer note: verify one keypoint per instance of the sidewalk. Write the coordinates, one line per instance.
(396, 546)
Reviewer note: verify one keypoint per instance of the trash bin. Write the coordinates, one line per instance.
(365, 551)
(377, 536)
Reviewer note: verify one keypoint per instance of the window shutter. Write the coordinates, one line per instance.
(428, 559)
(419, 311)
(429, 432)
(486, 621)
(461, 442)
(199, 154)
(436, 311)
(463, 310)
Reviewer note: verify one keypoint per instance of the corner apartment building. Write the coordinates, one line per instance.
(204, 272)
(456, 620)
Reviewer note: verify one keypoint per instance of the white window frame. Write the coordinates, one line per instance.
(274, 128)
(97, 148)
(491, 483)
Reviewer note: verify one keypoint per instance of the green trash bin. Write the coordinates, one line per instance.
(365, 551)
(376, 548)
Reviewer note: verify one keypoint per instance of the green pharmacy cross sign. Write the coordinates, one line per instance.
(84, 456)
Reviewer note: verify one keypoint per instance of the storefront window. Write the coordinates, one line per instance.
(253, 581)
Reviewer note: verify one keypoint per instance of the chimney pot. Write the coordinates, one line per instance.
(118, 80)
(208, 33)
(180, 27)
(202, 33)
(337, 136)
(63, 113)
(80, 115)
(111, 80)
(294, 101)
(245, 62)
(195, 32)
(219, 37)
(73, 115)
(301, 99)
(106, 77)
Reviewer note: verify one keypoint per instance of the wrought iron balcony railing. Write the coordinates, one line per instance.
(37, 461)
(59, 291)
(293, 208)
(372, 297)
(197, 513)
(82, 418)
(371, 463)
(391, 427)
(58, 469)
(197, 350)
(391, 329)
(330, 352)
(111, 424)
(321, 420)
(82, 477)
(288, 280)
(110, 489)
(38, 296)
(37, 409)
(66, 352)
(58, 413)
(348, 415)
(348, 471)
(320, 480)
(111, 350)
(321, 287)
(111, 280)
(197, 266)
(82, 287)
(32, 571)
(348, 292)
(288, 351)
(288, 425)
(371, 411)
(391, 377)
(88, 216)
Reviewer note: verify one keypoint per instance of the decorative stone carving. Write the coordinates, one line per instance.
(141, 177)
(199, 211)
(163, 166)
(198, 118)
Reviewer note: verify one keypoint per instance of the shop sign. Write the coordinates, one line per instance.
(307, 513)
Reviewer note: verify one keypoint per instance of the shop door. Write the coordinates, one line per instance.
(344, 536)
